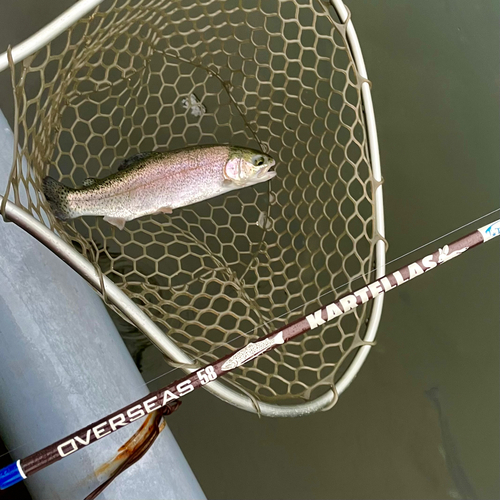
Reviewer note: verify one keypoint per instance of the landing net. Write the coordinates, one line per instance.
(279, 76)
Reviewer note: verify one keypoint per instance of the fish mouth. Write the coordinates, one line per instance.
(266, 175)
(265, 171)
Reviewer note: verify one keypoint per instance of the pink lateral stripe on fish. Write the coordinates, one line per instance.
(151, 183)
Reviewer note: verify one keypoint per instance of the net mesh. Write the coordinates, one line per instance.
(273, 75)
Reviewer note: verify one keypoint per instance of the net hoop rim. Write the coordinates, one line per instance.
(380, 247)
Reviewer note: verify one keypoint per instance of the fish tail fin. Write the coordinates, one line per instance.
(57, 196)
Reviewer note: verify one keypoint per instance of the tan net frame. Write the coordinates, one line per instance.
(274, 75)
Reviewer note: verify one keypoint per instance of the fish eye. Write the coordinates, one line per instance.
(258, 160)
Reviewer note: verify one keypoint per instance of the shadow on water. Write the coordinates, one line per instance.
(464, 488)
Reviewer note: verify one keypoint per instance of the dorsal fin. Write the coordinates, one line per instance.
(134, 160)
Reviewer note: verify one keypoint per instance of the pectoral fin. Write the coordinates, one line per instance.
(164, 210)
(116, 221)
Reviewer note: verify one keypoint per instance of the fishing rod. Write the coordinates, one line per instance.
(168, 395)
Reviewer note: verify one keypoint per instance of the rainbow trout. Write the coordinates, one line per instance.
(152, 183)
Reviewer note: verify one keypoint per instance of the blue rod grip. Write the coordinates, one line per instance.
(10, 475)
